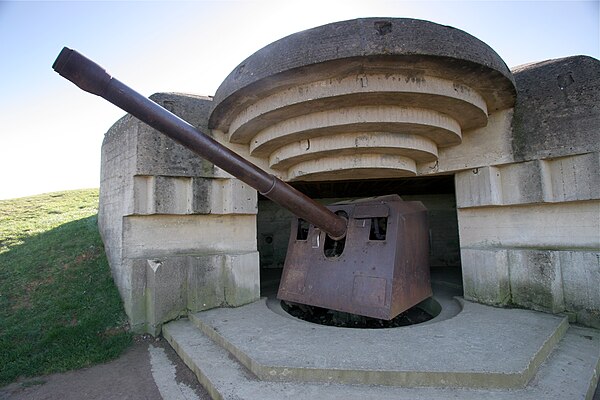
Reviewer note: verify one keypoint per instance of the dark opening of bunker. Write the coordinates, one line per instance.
(437, 194)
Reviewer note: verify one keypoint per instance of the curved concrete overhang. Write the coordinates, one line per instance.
(361, 97)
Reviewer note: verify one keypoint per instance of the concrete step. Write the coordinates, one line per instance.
(570, 372)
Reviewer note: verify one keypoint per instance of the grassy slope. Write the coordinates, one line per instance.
(59, 308)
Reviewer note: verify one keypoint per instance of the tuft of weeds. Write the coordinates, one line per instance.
(59, 307)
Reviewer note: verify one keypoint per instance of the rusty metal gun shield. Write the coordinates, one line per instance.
(379, 269)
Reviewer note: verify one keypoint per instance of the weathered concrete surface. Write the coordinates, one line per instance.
(176, 285)
(121, 162)
(572, 225)
(365, 39)
(161, 235)
(187, 195)
(558, 108)
(565, 179)
(486, 276)
(159, 155)
(484, 354)
(556, 281)
(167, 218)
(481, 147)
(569, 372)
(530, 235)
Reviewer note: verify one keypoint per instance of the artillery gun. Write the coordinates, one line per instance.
(367, 257)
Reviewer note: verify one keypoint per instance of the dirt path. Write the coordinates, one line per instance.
(149, 370)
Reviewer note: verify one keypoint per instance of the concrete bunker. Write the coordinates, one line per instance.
(367, 101)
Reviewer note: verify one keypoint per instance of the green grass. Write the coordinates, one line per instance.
(59, 308)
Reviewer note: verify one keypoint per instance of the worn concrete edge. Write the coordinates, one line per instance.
(189, 361)
(593, 382)
(408, 379)
(531, 202)
(239, 354)
(545, 350)
(595, 373)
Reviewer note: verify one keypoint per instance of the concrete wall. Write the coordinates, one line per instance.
(529, 220)
(523, 244)
(167, 219)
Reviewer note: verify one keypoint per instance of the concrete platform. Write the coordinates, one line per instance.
(490, 347)
(254, 352)
(569, 373)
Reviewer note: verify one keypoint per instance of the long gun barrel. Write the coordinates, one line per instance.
(92, 78)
